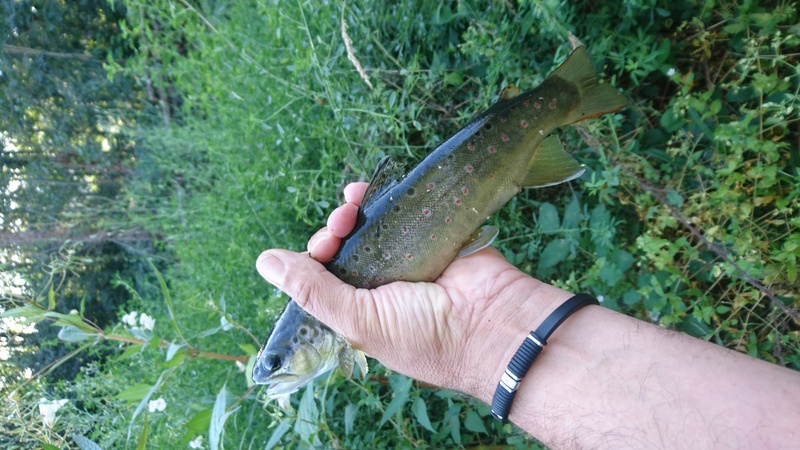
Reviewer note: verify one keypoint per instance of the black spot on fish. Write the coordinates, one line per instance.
(355, 258)
(367, 249)
(396, 208)
(488, 126)
(411, 192)
(303, 331)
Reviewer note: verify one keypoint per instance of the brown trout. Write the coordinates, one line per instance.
(411, 226)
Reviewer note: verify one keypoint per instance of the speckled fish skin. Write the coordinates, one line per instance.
(415, 229)
(411, 227)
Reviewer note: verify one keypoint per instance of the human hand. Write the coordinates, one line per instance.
(458, 332)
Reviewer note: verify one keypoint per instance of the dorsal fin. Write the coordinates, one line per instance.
(508, 92)
(387, 174)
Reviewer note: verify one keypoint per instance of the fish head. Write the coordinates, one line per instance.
(298, 349)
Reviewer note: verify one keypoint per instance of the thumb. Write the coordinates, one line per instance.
(316, 290)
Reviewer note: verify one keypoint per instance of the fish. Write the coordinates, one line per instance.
(412, 225)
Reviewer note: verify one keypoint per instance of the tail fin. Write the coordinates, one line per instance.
(595, 99)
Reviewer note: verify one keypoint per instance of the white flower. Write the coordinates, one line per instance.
(158, 404)
(223, 322)
(196, 442)
(130, 318)
(27, 373)
(600, 298)
(147, 322)
(48, 410)
(671, 71)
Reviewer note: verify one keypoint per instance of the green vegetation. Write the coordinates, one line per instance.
(185, 137)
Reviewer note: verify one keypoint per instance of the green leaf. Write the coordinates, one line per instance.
(85, 443)
(548, 218)
(474, 423)
(555, 252)
(134, 393)
(455, 428)
(167, 299)
(248, 371)
(51, 299)
(219, 415)
(172, 350)
(130, 351)
(249, 349)
(350, 413)
(72, 334)
(199, 422)
(572, 215)
(401, 386)
(307, 424)
(277, 435)
(420, 411)
(49, 447)
(142, 443)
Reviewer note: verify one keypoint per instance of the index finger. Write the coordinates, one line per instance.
(354, 192)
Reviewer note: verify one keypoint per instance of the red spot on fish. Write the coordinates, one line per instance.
(504, 137)
(555, 100)
(524, 124)
(491, 150)
(366, 285)
(447, 220)
(355, 273)
(537, 105)
(457, 202)
(491, 176)
(402, 277)
(525, 103)
(404, 230)
(380, 279)
(426, 212)
(430, 185)
(464, 190)
(409, 257)
(387, 255)
(551, 105)
(502, 119)
(433, 237)
(471, 146)
(372, 269)
(469, 168)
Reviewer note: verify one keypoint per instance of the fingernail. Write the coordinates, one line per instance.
(271, 268)
(312, 243)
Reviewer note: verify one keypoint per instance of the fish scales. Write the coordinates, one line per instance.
(422, 222)
(412, 225)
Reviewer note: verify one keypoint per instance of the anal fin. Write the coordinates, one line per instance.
(551, 165)
(479, 240)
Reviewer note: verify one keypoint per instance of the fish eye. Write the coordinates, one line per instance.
(303, 331)
(273, 362)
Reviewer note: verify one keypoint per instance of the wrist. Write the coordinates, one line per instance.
(503, 329)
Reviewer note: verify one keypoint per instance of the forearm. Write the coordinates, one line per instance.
(607, 378)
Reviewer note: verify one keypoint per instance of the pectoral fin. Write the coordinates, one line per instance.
(346, 359)
(509, 92)
(348, 356)
(480, 239)
(550, 165)
(361, 360)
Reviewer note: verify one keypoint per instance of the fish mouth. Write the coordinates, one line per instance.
(283, 384)
(283, 381)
